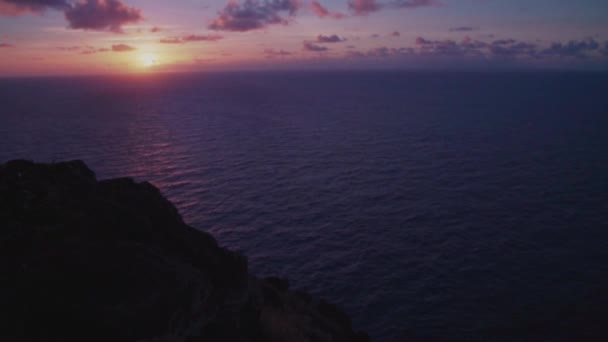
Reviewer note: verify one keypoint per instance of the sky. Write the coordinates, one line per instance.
(73, 37)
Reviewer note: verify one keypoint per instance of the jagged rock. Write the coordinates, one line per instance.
(83, 259)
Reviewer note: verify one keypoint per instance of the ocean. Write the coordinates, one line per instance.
(429, 205)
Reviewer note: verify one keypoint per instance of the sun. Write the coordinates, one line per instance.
(149, 60)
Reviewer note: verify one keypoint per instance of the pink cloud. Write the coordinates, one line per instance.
(19, 7)
(323, 12)
(101, 15)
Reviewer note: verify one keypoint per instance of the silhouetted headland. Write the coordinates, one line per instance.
(90, 260)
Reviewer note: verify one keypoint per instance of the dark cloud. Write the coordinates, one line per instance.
(395, 34)
(330, 39)
(6, 45)
(512, 48)
(464, 29)
(375, 35)
(364, 7)
(122, 48)
(323, 12)
(156, 29)
(412, 3)
(101, 15)
(191, 38)
(509, 48)
(573, 48)
(254, 14)
(272, 53)
(382, 52)
(310, 46)
(19, 7)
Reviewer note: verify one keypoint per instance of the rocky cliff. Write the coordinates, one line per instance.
(82, 259)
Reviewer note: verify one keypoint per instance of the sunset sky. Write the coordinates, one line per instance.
(51, 37)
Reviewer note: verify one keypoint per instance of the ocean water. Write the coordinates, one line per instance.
(429, 205)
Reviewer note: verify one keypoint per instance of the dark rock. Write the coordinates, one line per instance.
(280, 284)
(83, 259)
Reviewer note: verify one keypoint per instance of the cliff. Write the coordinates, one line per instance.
(85, 260)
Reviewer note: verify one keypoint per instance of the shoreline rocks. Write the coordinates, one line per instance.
(97, 260)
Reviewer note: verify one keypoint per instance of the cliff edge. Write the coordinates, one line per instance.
(86, 260)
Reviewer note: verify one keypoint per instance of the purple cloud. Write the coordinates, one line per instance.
(156, 29)
(254, 14)
(323, 12)
(202, 38)
(330, 39)
(364, 7)
(382, 52)
(412, 3)
(6, 45)
(573, 48)
(101, 15)
(122, 48)
(272, 53)
(604, 50)
(310, 46)
(464, 29)
(395, 34)
(19, 7)
(191, 38)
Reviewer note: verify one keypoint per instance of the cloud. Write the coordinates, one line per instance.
(383, 53)
(19, 7)
(509, 48)
(254, 14)
(310, 46)
(395, 34)
(412, 3)
(122, 48)
(272, 53)
(191, 38)
(512, 48)
(464, 29)
(68, 48)
(202, 38)
(101, 15)
(6, 45)
(171, 41)
(156, 29)
(323, 12)
(364, 7)
(330, 39)
(89, 50)
(573, 48)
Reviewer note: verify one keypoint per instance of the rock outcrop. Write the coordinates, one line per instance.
(82, 259)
